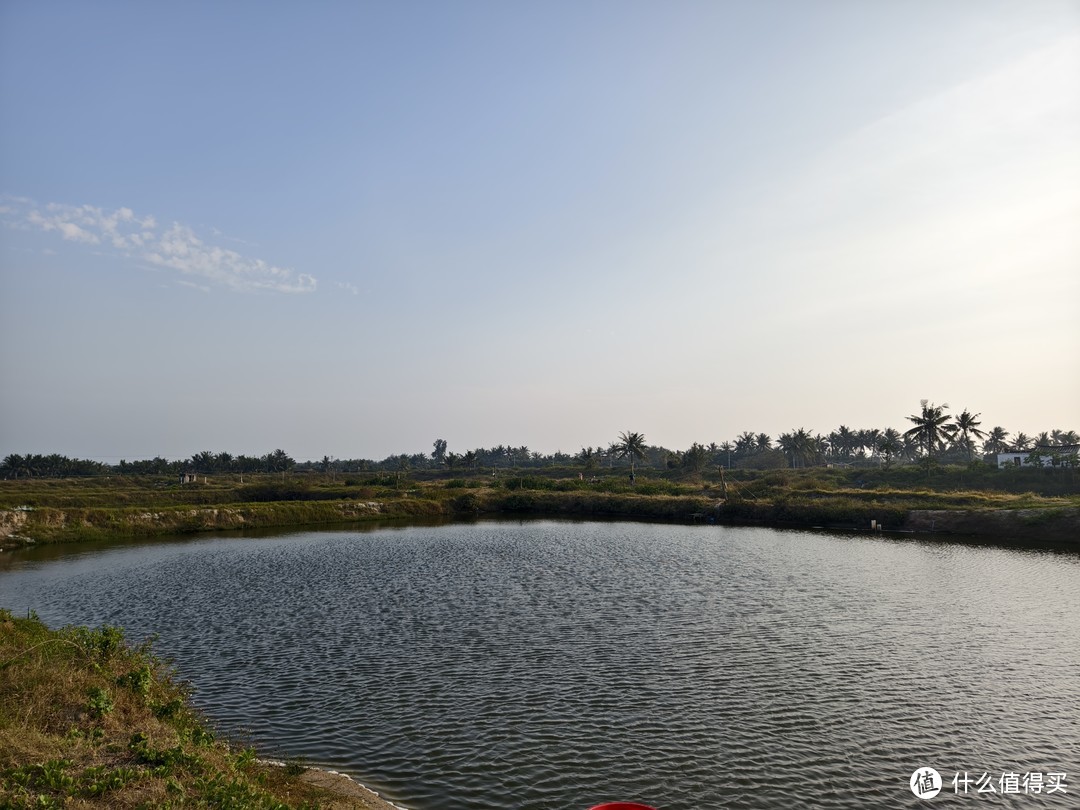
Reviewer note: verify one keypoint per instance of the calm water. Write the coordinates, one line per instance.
(558, 664)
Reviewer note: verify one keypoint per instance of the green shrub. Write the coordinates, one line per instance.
(138, 680)
(100, 702)
(101, 644)
(466, 502)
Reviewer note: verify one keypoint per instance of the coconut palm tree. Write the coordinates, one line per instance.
(995, 440)
(869, 439)
(932, 426)
(1063, 437)
(630, 445)
(12, 466)
(889, 445)
(1021, 441)
(967, 425)
(203, 462)
(843, 441)
(588, 457)
(786, 443)
(799, 446)
(745, 443)
(694, 459)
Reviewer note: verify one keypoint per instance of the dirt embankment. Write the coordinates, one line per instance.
(50, 525)
(1048, 525)
(11, 522)
(20, 527)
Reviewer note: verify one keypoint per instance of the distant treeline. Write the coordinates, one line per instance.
(33, 465)
(936, 436)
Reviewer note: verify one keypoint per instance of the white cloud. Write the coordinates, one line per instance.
(178, 248)
(194, 286)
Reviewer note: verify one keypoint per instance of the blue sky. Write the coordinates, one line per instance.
(352, 228)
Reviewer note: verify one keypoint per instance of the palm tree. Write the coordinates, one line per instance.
(694, 459)
(995, 440)
(869, 438)
(889, 445)
(587, 457)
(1021, 441)
(967, 425)
(932, 426)
(843, 441)
(203, 462)
(630, 445)
(1063, 437)
(279, 461)
(745, 443)
(799, 446)
(786, 443)
(12, 465)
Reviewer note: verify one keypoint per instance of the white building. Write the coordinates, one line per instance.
(1044, 456)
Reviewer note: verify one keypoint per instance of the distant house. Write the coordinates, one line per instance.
(188, 478)
(1043, 455)
(1014, 458)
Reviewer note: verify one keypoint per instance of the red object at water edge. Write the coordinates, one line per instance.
(621, 806)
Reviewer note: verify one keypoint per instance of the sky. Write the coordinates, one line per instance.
(352, 228)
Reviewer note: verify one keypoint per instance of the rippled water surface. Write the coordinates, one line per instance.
(558, 664)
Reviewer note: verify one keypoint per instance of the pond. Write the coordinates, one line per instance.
(558, 664)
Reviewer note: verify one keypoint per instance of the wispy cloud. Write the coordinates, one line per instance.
(177, 247)
(348, 287)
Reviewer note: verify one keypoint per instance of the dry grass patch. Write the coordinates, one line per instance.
(88, 721)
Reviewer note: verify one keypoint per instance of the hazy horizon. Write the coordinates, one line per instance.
(349, 229)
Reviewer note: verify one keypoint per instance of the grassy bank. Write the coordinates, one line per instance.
(118, 507)
(88, 721)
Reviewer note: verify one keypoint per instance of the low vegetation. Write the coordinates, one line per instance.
(89, 721)
(65, 510)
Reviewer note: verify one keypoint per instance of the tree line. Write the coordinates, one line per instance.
(34, 465)
(934, 436)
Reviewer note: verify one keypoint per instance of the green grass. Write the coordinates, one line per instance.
(133, 506)
(89, 721)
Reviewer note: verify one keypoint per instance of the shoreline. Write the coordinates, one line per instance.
(1021, 504)
(340, 784)
(87, 718)
(30, 527)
